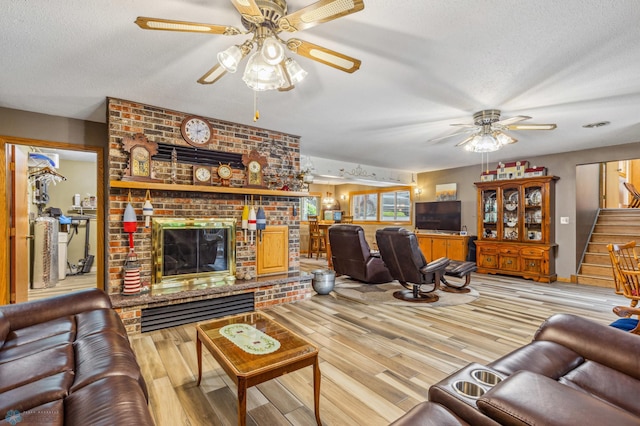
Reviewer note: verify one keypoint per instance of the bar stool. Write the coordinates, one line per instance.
(317, 241)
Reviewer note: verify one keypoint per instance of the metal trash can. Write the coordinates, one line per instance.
(323, 280)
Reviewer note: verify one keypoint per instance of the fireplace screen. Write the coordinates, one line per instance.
(193, 252)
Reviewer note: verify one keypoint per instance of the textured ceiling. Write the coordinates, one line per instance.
(425, 65)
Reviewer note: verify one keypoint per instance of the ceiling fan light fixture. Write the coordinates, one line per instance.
(272, 51)
(484, 142)
(504, 139)
(261, 76)
(230, 58)
(295, 71)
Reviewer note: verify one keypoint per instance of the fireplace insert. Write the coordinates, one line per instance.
(192, 253)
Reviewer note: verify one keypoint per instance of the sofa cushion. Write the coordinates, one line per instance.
(36, 393)
(605, 383)
(429, 414)
(547, 358)
(527, 398)
(101, 355)
(27, 349)
(34, 367)
(97, 321)
(4, 328)
(21, 336)
(114, 400)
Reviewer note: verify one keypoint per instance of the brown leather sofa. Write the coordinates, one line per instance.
(351, 255)
(574, 372)
(67, 360)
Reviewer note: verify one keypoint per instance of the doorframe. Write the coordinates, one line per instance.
(5, 203)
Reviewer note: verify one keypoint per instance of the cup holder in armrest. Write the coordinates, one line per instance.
(468, 389)
(486, 377)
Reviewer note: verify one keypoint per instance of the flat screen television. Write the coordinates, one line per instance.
(439, 216)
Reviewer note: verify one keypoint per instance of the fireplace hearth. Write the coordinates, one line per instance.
(192, 254)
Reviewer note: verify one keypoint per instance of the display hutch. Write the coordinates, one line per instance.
(516, 228)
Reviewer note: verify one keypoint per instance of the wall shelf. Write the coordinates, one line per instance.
(200, 188)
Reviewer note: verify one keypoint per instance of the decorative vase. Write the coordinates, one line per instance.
(323, 281)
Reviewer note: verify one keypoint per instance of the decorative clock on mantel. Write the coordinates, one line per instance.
(255, 164)
(140, 151)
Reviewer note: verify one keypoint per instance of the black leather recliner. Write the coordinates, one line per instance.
(351, 255)
(401, 253)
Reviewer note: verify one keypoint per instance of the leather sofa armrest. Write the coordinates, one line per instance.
(594, 341)
(436, 265)
(21, 315)
(527, 398)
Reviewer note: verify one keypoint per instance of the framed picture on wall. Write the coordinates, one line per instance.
(447, 192)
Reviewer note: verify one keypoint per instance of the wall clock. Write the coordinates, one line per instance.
(196, 131)
(201, 175)
(140, 150)
(255, 164)
(224, 172)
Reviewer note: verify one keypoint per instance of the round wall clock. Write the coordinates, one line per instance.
(225, 173)
(201, 175)
(196, 131)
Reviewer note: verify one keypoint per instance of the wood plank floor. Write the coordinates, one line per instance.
(377, 361)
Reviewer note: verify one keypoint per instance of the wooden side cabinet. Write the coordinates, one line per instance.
(516, 228)
(435, 246)
(273, 250)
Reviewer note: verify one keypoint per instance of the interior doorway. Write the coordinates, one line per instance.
(56, 218)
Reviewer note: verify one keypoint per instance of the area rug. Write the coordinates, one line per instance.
(383, 294)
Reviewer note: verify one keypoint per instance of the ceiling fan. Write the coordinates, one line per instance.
(488, 131)
(268, 68)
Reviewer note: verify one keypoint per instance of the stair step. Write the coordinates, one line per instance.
(614, 238)
(623, 228)
(596, 270)
(597, 258)
(601, 247)
(595, 281)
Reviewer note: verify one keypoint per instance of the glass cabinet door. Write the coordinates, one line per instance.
(533, 215)
(511, 214)
(490, 209)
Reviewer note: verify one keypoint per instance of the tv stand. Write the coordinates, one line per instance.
(436, 245)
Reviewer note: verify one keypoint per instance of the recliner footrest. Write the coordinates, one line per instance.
(459, 269)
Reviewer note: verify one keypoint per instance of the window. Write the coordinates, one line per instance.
(396, 206)
(382, 206)
(309, 206)
(365, 207)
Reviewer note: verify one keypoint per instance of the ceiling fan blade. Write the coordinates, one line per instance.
(512, 120)
(318, 13)
(184, 26)
(462, 132)
(249, 10)
(323, 55)
(466, 141)
(464, 125)
(531, 126)
(213, 75)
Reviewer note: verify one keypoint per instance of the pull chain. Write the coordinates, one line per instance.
(256, 115)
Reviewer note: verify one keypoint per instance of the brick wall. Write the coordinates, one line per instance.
(126, 118)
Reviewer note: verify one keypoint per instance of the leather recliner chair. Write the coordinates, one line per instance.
(352, 256)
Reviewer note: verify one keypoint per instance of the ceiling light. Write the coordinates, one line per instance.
(230, 58)
(295, 71)
(484, 142)
(261, 76)
(272, 51)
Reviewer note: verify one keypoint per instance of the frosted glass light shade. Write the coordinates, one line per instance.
(261, 76)
(272, 51)
(295, 71)
(230, 58)
(483, 143)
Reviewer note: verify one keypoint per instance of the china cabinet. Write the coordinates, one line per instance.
(516, 228)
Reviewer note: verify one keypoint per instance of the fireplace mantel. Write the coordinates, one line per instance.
(201, 188)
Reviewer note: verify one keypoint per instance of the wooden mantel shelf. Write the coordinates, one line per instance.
(200, 188)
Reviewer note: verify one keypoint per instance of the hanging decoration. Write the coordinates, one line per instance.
(147, 209)
(252, 223)
(261, 220)
(131, 265)
(245, 218)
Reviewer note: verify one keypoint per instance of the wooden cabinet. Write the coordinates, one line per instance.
(516, 228)
(273, 250)
(435, 246)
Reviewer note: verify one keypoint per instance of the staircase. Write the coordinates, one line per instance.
(615, 226)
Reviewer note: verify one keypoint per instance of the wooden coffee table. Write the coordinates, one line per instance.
(249, 357)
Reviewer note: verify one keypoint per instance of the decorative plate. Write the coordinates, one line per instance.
(535, 198)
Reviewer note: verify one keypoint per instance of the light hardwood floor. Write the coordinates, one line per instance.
(377, 361)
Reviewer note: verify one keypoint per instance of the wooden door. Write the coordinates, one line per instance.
(424, 242)
(438, 249)
(457, 249)
(273, 250)
(19, 231)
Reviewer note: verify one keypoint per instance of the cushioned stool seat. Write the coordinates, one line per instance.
(458, 269)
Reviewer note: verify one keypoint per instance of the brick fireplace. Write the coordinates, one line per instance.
(173, 199)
